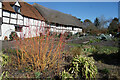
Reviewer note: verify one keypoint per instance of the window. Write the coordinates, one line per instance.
(17, 9)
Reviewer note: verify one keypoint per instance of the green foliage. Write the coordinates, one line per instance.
(66, 75)
(59, 35)
(106, 49)
(105, 71)
(88, 49)
(68, 35)
(97, 22)
(78, 34)
(104, 37)
(13, 36)
(116, 39)
(83, 67)
(5, 59)
(76, 51)
(82, 49)
(93, 40)
(87, 20)
(113, 27)
(4, 75)
(37, 74)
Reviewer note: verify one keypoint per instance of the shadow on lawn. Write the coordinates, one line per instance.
(110, 59)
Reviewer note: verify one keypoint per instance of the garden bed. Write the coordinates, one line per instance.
(105, 54)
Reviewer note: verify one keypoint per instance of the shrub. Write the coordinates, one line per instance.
(68, 34)
(13, 36)
(4, 59)
(105, 71)
(78, 34)
(42, 54)
(82, 50)
(87, 49)
(4, 75)
(37, 74)
(66, 75)
(6, 38)
(104, 37)
(83, 67)
(76, 51)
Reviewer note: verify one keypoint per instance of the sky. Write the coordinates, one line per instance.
(84, 10)
(72, 0)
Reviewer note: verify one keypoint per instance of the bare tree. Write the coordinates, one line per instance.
(104, 23)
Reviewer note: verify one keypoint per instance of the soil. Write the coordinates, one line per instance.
(107, 43)
(108, 65)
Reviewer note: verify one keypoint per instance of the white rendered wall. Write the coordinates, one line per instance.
(26, 21)
(6, 30)
(39, 23)
(5, 13)
(6, 20)
(31, 31)
(20, 22)
(35, 22)
(13, 15)
(73, 32)
(13, 21)
(69, 28)
(76, 29)
(80, 30)
(20, 16)
(30, 21)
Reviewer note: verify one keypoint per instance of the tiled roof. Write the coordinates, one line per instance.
(26, 10)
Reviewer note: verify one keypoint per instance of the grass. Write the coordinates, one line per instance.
(95, 49)
(106, 49)
(73, 44)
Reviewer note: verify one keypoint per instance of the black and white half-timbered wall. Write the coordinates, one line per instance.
(19, 17)
(23, 18)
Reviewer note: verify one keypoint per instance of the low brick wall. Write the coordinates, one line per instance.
(8, 44)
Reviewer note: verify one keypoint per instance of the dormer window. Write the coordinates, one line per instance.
(16, 7)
